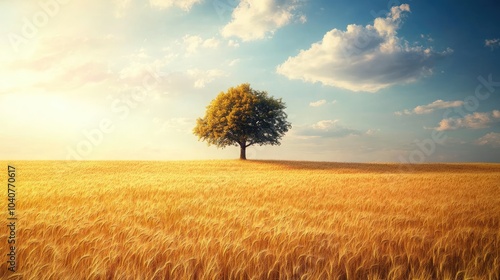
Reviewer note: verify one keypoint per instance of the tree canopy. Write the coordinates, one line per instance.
(243, 117)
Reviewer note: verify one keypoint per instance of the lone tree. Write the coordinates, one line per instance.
(243, 117)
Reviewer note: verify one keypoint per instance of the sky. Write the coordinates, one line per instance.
(363, 81)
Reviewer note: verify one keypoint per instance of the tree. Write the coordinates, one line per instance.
(243, 117)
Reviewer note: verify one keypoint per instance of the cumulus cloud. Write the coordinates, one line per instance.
(318, 103)
(490, 139)
(429, 108)
(364, 58)
(161, 77)
(325, 125)
(142, 72)
(203, 77)
(193, 43)
(182, 4)
(257, 19)
(474, 121)
(233, 43)
(492, 43)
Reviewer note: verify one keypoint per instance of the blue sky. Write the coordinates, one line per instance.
(370, 81)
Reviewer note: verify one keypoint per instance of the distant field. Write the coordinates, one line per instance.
(254, 220)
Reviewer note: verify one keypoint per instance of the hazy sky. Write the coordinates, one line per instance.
(367, 81)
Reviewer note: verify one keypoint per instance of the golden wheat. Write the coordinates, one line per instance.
(255, 220)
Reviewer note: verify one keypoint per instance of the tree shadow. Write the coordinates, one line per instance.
(349, 167)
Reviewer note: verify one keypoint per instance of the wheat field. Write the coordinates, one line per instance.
(231, 219)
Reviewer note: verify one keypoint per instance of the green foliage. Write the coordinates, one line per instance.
(243, 117)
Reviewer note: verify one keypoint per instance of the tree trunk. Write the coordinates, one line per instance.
(243, 152)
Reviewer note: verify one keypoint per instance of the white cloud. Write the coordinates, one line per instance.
(400, 113)
(492, 43)
(124, 6)
(234, 62)
(203, 77)
(62, 62)
(427, 37)
(429, 108)
(363, 58)
(211, 43)
(318, 103)
(65, 63)
(138, 64)
(158, 78)
(372, 131)
(490, 139)
(474, 121)
(233, 43)
(193, 43)
(325, 128)
(325, 124)
(182, 4)
(257, 19)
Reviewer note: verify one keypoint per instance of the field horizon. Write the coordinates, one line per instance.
(305, 164)
(255, 219)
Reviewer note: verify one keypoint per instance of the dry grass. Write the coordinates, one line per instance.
(256, 220)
